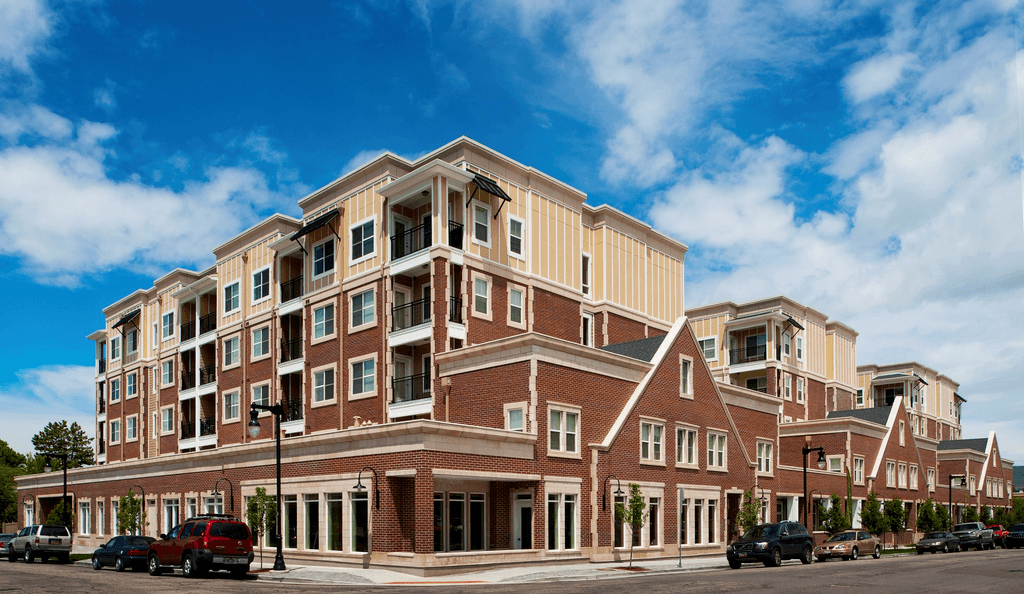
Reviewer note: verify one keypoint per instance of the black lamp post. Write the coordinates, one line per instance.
(231, 488)
(64, 462)
(962, 477)
(376, 488)
(821, 466)
(618, 490)
(254, 429)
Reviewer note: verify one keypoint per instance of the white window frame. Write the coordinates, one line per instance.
(901, 475)
(84, 518)
(654, 442)
(522, 237)
(521, 324)
(252, 394)
(167, 373)
(332, 261)
(225, 399)
(587, 274)
(903, 439)
(265, 354)
(799, 348)
(364, 324)
(521, 408)
(167, 335)
(115, 431)
(913, 476)
(238, 295)
(156, 335)
(787, 344)
(838, 461)
(321, 326)
(559, 494)
(687, 456)
(686, 376)
(270, 286)
(765, 457)
(131, 385)
(320, 395)
(858, 470)
(704, 348)
(373, 237)
(890, 473)
(166, 419)
(587, 329)
(115, 390)
(787, 391)
(231, 345)
(565, 410)
(476, 277)
(476, 204)
(115, 355)
(931, 480)
(131, 428)
(352, 394)
(717, 452)
(860, 397)
(800, 389)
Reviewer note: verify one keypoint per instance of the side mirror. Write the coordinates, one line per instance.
(163, 537)
(103, 545)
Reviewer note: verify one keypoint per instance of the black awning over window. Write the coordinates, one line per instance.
(128, 317)
(793, 322)
(315, 224)
(486, 184)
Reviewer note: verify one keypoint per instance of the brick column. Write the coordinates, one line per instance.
(424, 497)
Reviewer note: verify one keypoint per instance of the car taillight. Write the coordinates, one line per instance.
(37, 540)
(137, 552)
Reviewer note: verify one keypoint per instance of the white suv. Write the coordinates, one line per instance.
(40, 541)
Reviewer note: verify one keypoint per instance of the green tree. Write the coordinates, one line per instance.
(872, 518)
(11, 465)
(896, 516)
(833, 519)
(131, 515)
(261, 513)
(927, 517)
(849, 497)
(1018, 510)
(633, 512)
(944, 519)
(59, 438)
(971, 514)
(1000, 516)
(57, 515)
(749, 514)
(985, 515)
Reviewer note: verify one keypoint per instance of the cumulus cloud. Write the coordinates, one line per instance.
(25, 26)
(876, 75)
(46, 394)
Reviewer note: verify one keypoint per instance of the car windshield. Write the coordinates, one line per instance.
(841, 536)
(1017, 528)
(764, 530)
(138, 541)
(964, 527)
(936, 535)
(54, 531)
(229, 530)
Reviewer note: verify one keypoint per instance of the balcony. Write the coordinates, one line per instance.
(102, 365)
(102, 405)
(410, 241)
(455, 232)
(207, 323)
(188, 380)
(207, 375)
(411, 387)
(292, 409)
(748, 354)
(207, 426)
(455, 310)
(101, 447)
(188, 430)
(291, 289)
(291, 350)
(188, 330)
(410, 315)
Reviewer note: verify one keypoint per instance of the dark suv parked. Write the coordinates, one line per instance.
(770, 544)
(203, 543)
(1015, 537)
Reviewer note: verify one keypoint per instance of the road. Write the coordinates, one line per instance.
(976, 572)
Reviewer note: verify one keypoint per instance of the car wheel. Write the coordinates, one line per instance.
(96, 563)
(854, 554)
(119, 564)
(29, 557)
(239, 572)
(920, 551)
(735, 563)
(11, 555)
(945, 548)
(188, 567)
(64, 558)
(154, 565)
(808, 555)
(776, 557)
(877, 553)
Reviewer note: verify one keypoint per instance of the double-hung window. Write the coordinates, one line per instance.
(515, 237)
(323, 385)
(362, 309)
(231, 299)
(860, 397)
(115, 354)
(362, 240)
(588, 329)
(686, 446)
(481, 296)
(563, 431)
(115, 431)
(799, 389)
(913, 476)
(890, 474)
(788, 390)
(858, 470)
(708, 348)
(323, 258)
(515, 306)
(585, 275)
(115, 390)
(131, 432)
(323, 321)
(261, 285)
(132, 385)
(651, 441)
(902, 475)
(168, 324)
(799, 348)
(230, 351)
(261, 395)
(362, 377)
(764, 457)
(786, 344)
(261, 341)
(481, 224)
(685, 377)
(167, 420)
(231, 406)
(716, 450)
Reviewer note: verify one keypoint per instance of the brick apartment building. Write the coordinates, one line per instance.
(496, 359)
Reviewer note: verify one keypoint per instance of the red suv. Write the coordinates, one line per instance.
(203, 543)
(999, 534)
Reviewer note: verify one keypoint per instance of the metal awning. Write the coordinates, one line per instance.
(315, 224)
(126, 318)
(793, 322)
(487, 184)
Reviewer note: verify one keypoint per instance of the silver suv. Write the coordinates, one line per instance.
(40, 541)
(974, 534)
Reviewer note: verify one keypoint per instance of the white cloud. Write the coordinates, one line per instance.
(17, 120)
(25, 25)
(876, 75)
(47, 394)
(261, 147)
(365, 156)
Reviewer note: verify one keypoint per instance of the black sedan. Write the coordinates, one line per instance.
(123, 552)
(934, 542)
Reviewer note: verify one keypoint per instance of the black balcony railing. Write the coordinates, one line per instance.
(411, 387)
(188, 429)
(188, 330)
(103, 404)
(293, 409)
(455, 310)
(102, 445)
(103, 365)
(207, 323)
(207, 426)
(207, 375)
(410, 241)
(411, 314)
(291, 350)
(188, 380)
(748, 354)
(291, 289)
(455, 231)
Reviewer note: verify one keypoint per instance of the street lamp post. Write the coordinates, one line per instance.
(962, 477)
(618, 490)
(821, 466)
(254, 429)
(64, 462)
(231, 487)
(376, 487)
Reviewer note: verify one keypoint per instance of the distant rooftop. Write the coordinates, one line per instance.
(878, 414)
(643, 349)
(977, 445)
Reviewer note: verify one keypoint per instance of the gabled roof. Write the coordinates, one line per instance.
(878, 414)
(643, 349)
(977, 445)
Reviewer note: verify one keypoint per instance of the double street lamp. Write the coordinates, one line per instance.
(64, 498)
(254, 430)
(821, 466)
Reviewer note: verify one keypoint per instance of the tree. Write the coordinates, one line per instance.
(57, 516)
(971, 514)
(59, 438)
(261, 512)
(872, 518)
(927, 517)
(749, 514)
(1018, 510)
(985, 515)
(833, 519)
(1000, 516)
(896, 516)
(130, 514)
(633, 512)
(11, 463)
(944, 519)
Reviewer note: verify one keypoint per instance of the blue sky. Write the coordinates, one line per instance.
(859, 156)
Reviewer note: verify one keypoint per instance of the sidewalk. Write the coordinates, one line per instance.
(504, 575)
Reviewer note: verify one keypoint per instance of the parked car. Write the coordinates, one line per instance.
(848, 545)
(974, 534)
(770, 544)
(123, 552)
(998, 534)
(5, 538)
(40, 541)
(1014, 537)
(203, 543)
(934, 542)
